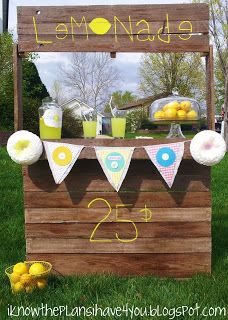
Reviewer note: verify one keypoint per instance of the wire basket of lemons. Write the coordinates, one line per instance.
(28, 276)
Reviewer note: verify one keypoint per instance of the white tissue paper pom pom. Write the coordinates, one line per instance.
(24, 147)
(208, 147)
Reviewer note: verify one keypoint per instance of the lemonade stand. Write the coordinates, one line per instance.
(83, 225)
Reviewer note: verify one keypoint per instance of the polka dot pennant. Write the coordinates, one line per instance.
(167, 159)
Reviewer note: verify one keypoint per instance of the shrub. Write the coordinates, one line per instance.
(133, 120)
(147, 124)
(72, 126)
(31, 115)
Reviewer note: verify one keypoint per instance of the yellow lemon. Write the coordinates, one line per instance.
(29, 288)
(36, 269)
(100, 25)
(185, 105)
(20, 268)
(41, 283)
(192, 115)
(15, 277)
(18, 287)
(170, 114)
(26, 278)
(165, 107)
(181, 114)
(158, 115)
(173, 104)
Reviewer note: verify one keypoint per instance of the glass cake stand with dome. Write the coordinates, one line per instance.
(175, 110)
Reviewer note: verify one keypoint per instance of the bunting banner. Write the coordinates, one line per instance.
(115, 162)
(61, 158)
(167, 159)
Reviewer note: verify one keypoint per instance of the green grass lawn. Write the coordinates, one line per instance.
(112, 290)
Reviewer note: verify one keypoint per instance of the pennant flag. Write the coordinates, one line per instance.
(167, 159)
(115, 163)
(61, 158)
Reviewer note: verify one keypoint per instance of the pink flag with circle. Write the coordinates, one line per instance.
(167, 159)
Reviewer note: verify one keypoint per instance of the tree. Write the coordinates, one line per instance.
(219, 32)
(165, 72)
(6, 76)
(219, 85)
(33, 89)
(57, 92)
(33, 93)
(91, 77)
(119, 99)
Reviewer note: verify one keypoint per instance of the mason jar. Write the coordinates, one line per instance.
(50, 119)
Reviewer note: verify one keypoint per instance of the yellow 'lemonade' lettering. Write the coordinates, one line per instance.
(164, 30)
(61, 28)
(36, 34)
(144, 30)
(186, 30)
(100, 26)
(73, 22)
(129, 32)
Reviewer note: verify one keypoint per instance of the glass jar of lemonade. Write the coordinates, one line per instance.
(50, 119)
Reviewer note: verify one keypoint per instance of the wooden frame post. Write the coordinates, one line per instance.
(17, 75)
(210, 89)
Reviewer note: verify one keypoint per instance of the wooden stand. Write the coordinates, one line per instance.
(60, 227)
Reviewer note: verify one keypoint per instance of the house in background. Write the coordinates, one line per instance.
(78, 107)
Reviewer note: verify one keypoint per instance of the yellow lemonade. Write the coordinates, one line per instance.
(89, 129)
(118, 127)
(49, 132)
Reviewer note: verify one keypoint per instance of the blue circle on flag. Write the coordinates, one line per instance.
(114, 161)
(165, 157)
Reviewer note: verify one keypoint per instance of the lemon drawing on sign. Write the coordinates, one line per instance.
(100, 25)
(62, 156)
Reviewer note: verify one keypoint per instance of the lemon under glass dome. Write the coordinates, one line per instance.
(175, 110)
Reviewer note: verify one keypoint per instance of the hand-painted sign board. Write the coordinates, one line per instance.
(122, 28)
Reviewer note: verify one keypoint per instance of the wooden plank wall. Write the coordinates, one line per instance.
(176, 242)
(133, 28)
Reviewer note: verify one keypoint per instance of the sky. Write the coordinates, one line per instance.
(48, 63)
